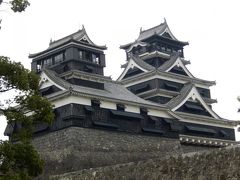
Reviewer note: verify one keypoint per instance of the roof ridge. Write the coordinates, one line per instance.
(55, 77)
(154, 27)
(141, 63)
(183, 94)
(69, 36)
(170, 62)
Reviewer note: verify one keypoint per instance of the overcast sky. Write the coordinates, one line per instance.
(212, 29)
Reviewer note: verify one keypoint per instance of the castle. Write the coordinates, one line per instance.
(155, 94)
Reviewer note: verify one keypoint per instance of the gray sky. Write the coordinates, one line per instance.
(211, 28)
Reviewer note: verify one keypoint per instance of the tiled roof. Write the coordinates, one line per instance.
(124, 65)
(169, 63)
(183, 94)
(141, 63)
(170, 75)
(157, 91)
(112, 90)
(186, 62)
(152, 31)
(210, 101)
(136, 44)
(154, 54)
(85, 75)
(55, 78)
(75, 37)
(157, 30)
(147, 33)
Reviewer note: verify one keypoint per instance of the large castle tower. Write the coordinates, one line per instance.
(156, 71)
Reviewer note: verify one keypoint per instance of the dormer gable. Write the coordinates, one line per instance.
(190, 101)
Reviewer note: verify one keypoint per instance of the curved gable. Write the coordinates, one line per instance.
(179, 68)
(192, 95)
(47, 82)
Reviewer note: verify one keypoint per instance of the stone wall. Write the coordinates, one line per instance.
(78, 148)
(220, 164)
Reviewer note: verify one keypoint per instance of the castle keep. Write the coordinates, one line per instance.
(155, 95)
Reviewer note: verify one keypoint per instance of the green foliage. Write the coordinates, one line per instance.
(14, 76)
(16, 6)
(19, 160)
(19, 5)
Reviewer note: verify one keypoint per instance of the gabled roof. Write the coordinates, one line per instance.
(153, 92)
(148, 55)
(85, 75)
(46, 81)
(169, 63)
(151, 74)
(136, 44)
(142, 63)
(187, 92)
(135, 61)
(183, 94)
(175, 60)
(80, 37)
(112, 90)
(157, 30)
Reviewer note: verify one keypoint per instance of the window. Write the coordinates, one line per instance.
(120, 107)
(58, 58)
(88, 56)
(95, 59)
(169, 49)
(38, 67)
(180, 51)
(47, 62)
(80, 54)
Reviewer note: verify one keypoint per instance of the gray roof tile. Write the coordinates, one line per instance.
(169, 63)
(183, 94)
(77, 36)
(141, 63)
(112, 90)
(152, 31)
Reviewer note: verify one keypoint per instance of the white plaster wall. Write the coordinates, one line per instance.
(108, 105)
(158, 113)
(46, 84)
(71, 99)
(237, 133)
(130, 108)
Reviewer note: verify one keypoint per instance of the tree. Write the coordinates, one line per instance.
(16, 5)
(20, 160)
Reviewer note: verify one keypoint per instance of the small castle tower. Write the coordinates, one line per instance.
(73, 52)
